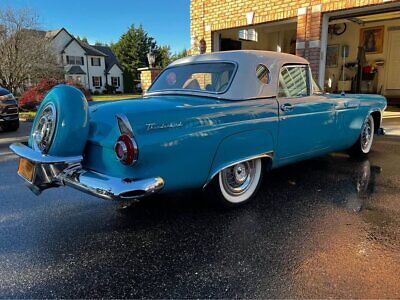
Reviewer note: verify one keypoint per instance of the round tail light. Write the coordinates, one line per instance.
(126, 150)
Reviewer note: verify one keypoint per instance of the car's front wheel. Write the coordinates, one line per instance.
(364, 143)
(238, 184)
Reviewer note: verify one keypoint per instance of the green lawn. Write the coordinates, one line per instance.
(115, 97)
(30, 115)
(27, 115)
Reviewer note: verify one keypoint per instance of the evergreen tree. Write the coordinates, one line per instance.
(100, 43)
(131, 51)
(179, 55)
(163, 56)
(83, 40)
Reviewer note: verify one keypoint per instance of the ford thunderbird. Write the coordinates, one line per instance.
(214, 121)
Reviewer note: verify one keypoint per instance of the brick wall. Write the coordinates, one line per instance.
(147, 76)
(207, 16)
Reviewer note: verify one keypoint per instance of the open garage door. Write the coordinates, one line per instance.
(362, 53)
(277, 36)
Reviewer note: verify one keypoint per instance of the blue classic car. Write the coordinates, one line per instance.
(215, 121)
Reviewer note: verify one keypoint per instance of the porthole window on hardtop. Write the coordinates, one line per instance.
(263, 74)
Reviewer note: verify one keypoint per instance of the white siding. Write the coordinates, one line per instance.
(74, 49)
(116, 72)
(60, 41)
(97, 71)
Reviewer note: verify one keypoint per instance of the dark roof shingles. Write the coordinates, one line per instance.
(75, 70)
(91, 50)
(111, 59)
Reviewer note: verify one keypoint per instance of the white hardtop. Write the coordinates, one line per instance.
(245, 84)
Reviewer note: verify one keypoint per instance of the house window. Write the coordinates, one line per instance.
(96, 61)
(115, 81)
(75, 60)
(96, 81)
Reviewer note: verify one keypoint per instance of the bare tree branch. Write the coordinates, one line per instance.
(26, 54)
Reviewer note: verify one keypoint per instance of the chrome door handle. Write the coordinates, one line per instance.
(287, 107)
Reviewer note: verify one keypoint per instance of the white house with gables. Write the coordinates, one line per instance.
(92, 66)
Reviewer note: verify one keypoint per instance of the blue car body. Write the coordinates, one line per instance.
(184, 138)
(213, 134)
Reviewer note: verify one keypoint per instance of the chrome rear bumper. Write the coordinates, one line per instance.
(52, 171)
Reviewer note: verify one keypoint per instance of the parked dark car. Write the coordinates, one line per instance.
(9, 117)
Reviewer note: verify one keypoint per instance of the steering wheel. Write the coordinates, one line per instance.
(223, 87)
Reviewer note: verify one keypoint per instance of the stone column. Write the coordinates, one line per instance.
(147, 77)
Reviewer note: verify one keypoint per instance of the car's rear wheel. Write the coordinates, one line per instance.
(364, 143)
(238, 184)
(10, 126)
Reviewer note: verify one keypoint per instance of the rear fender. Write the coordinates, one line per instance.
(241, 147)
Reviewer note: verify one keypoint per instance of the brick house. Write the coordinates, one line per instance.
(322, 31)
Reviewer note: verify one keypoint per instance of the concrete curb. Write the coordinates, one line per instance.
(8, 141)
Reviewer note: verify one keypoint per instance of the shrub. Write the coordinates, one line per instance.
(31, 98)
(110, 89)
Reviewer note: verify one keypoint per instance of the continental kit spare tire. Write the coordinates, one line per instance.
(61, 126)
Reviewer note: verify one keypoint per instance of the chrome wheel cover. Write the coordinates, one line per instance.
(43, 132)
(367, 135)
(237, 179)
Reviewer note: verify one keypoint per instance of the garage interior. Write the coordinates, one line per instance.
(362, 54)
(362, 50)
(279, 36)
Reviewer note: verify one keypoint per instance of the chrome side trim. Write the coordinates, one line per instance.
(269, 154)
(347, 104)
(26, 152)
(9, 114)
(9, 119)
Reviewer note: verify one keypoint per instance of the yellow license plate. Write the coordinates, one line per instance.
(26, 169)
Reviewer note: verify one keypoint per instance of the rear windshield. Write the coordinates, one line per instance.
(200, 77)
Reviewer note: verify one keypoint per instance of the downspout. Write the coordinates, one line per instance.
(87, 69)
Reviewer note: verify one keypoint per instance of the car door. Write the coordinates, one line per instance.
(306, 119)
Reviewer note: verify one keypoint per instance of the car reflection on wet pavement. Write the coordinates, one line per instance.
(327, 227)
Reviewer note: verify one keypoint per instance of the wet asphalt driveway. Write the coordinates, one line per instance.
(328, 227)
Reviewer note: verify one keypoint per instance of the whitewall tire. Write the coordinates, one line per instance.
(364, 143)
(238, 184)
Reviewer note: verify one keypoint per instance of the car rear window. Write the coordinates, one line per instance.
(199, 77)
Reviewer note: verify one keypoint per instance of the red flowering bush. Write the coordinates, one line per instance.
(31, 98)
